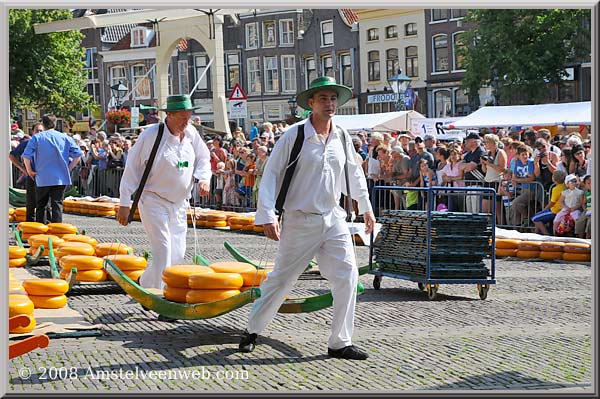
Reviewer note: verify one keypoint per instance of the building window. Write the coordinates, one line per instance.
(271, 75)
(443, 103)
(269, 34)
(458, 13)
(440, 53)
(117, 73)
(410, 29)
(233, 70)
(140, 82)
(439, 15)
(327, 66)
(288, 73)
(346, 70)
(273, 114)
(372, 34)
(373, 65)
(459, 43)
(254, 78)
(461, 103)
(326, 33)
(138, 37)
(391, 32)
(411, 55)
(286, 32)
(392, 62)
(184, 77)
(252, 35)
(91, 65)
(311, 71)
(200, 61)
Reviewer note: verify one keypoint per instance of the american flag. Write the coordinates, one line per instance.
(350, 15)
(183, 45)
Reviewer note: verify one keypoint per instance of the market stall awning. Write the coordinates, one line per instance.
(383, 122)
(565, 114)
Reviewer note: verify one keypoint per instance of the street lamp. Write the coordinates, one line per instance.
(119, 91)
(399, 84)
(293, 103)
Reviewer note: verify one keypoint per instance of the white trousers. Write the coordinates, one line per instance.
(166, 226)
(302, 237)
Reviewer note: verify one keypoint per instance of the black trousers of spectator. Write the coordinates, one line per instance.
(53, 193)
(30, 202)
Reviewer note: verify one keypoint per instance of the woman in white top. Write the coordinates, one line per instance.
(493, 165)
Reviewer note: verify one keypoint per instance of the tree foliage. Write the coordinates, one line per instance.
(524, 49)
(46, 70)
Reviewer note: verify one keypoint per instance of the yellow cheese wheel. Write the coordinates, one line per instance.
(61, 228)
(175, 294)
(46, 286)
(215, 223)
(254, 277)
(81, 262)
(74, 248)
(48, 302)
(111, 248)
(90, 275)
(19, 262)
(213, 217)
(577, 248)
(23, 330)
(243, 220)
(16, 252)
(530, 245)
(552, 246)
(212, 281)
(178, 275)
(80, 238)
(105, 213)
(42, 239)
(235, 226)
(32, 227)
(128, 262)
(526, 254)
(232, 267)
(504, 252)
(14, 286)
(258, 229)
(551, 255)
(132, 274)
(21, 211)
(200, 223)
(579, 257)
(507, 243)
(205, 296)
(19, 304)
(248, 227)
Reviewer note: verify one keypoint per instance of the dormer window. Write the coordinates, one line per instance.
(138, 37)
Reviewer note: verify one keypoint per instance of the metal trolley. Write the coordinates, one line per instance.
(427, 283)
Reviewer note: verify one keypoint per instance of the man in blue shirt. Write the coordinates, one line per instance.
(254, 131)
(15, 157)
(49, 158)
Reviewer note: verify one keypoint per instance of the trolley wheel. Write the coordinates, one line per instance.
(432, 291)
(483, 290)
(377, 282)
(421, 286)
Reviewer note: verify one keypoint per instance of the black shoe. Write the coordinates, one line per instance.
(248, 342)
(348, 352)
(166, 319)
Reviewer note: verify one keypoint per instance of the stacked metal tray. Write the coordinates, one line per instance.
(459, 243)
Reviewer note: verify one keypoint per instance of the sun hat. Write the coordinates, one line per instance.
(570, 178)
(324, 83)
(179, 102)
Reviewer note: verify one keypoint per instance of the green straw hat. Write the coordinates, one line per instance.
(324, 82)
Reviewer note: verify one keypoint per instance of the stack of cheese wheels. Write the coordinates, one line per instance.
(42, 239)
(74, 248)
(112, 248)
(47, 293)
(28, 229)
(251, 276)
(216, 219)
(241, 222)
(551, 250)
(106, 209)
(20, 214)
(506, 247)
(529, 249)
(60, 229)
(177, 282)
(193, 216)
(574, 251)
(69, 205)
(83, 207)
(11, 214)
(16, 256)
(21, 304)
(80, 238)
(133, 266)
(89, 268)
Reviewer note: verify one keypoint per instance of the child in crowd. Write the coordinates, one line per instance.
(219, 182)
(571, 200)
(546, 215)
(583, 225)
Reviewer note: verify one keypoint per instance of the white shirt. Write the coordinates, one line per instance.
(167, 178)
(318, 180)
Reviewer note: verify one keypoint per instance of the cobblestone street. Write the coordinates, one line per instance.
(533, 332)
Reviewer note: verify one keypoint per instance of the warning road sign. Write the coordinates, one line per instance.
(237, 93)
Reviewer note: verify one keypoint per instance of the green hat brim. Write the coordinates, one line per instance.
(179, 109)
(344, 94)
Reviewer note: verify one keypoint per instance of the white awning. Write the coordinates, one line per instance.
(383, 122)
(562, 114)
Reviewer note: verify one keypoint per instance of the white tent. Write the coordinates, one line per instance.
(564, 114)
(383, 122)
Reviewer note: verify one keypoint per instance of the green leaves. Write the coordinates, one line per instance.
(46, 70)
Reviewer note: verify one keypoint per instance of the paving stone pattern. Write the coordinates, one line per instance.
(533, 332)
